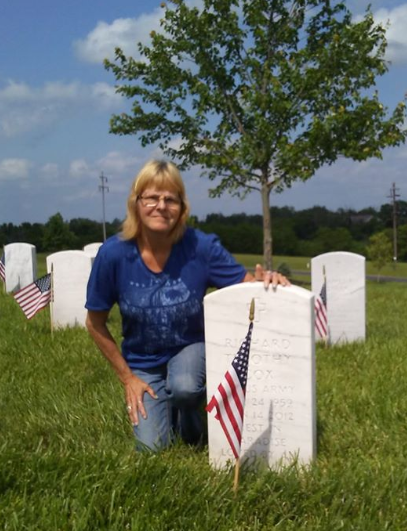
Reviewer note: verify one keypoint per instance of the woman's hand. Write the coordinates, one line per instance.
(268, 277)
(135, 388)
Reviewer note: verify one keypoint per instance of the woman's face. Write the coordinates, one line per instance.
(159, 210)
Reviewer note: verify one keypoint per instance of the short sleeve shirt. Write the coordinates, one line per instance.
(161, 312)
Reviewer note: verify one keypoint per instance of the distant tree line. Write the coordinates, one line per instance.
(306, 232)
(57, 234)
(311, 231)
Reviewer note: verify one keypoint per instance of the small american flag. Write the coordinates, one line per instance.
(229, 398)
(35, 296)
(3, 268)
(321, 314)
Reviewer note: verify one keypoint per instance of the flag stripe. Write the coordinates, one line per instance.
(236, 391)
(26, 293)
(3, 269)
(229, 398)
(234, 415)
(321, 314)
(233, 441)
(35, 296)
(32, 309)
(228, 422)
(228, 426)
(321, 318)
(37, 305)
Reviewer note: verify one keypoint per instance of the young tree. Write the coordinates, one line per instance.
(259, 93)
(380, 251)
(57, 235)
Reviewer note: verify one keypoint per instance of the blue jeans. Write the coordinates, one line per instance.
(180, 387)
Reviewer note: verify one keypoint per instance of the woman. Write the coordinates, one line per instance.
(158, 271)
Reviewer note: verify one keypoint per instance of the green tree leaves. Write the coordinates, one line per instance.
(57, 235)
(379, 251)
(259, 92)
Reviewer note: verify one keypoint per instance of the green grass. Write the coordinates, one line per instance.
(303, 263)
(296, 263)
(66, 449)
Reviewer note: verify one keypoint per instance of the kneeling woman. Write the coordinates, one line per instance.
(157, 270)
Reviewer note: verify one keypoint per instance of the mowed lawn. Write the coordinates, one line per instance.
(303, 263)
(296, 263)
(66, 449)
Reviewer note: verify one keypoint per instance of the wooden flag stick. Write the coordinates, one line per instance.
(237, 464)
(51, 304)
(236, 478)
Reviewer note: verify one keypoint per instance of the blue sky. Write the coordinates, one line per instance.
(56, 100)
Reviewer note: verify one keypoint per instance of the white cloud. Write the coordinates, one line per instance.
(119, 163)
(122, 33)
(15, 92)
(80, 168)
(105, 96)
(80, 195)
(396, 33)
(24, 108)
(14, 169)
(125, 33)
(49, 171)
(118, 167)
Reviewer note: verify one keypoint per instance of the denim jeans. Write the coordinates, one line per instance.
(180, 387)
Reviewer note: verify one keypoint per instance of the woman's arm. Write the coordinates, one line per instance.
(134, 387)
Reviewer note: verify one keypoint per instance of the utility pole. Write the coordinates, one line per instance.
(393, 196)
(102, 189)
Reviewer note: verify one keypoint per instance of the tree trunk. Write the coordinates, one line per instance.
(267, 239)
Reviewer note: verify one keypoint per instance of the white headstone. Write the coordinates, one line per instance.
(280, 410)
(21, 265)
(71, 270)
(345, 294)
(92, 249)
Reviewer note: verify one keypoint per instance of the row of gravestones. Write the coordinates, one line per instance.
(280, 412)
(71, 270)
(21, 263)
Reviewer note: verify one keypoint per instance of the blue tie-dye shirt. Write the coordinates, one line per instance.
(161, 312)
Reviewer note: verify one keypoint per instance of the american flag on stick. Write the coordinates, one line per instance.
(229, 398)
(35, 296)
(3, 268)
(321, 313)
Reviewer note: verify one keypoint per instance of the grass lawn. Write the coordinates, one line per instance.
(66, 449)
(302, 263)
(296, 263)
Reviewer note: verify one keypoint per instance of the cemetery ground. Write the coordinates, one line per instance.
(66, 449)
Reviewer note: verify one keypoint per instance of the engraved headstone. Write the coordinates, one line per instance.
(21, 265)
(345, 275)
(71, 270)
(280, 410)
(92, 249)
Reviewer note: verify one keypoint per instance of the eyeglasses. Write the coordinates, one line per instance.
(151, 201)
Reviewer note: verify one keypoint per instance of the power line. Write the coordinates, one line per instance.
(103, 188)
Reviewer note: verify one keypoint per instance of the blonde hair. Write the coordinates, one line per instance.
(161, 175)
